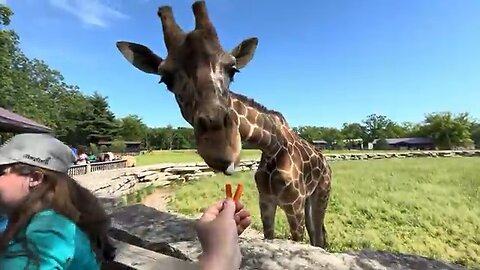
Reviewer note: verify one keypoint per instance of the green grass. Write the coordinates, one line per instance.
(138, 195)
(189, 155)
(180, 156)
(424, 206)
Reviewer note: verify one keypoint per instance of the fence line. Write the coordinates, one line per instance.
(97, 166)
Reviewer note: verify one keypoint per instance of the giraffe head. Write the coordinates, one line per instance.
(198, 71)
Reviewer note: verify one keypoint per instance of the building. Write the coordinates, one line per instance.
(320, 144)
(15, 123)
(12, 123)
(413, 143)
(353, 144)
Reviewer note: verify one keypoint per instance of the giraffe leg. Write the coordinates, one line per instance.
(296, 218)
(319, 205)
(309, 219)
(268, 209)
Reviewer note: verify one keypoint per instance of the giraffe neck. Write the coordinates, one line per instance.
(258, 126)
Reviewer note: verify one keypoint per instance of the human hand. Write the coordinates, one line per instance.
(218, 231)
(242, 217)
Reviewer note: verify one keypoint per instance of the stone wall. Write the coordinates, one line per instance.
(164, 174)
(174, 235)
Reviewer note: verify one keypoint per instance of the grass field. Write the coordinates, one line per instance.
(428, 207)
(176, 156)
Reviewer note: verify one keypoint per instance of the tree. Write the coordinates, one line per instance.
(183, 138)
(353, 131)
(309, 133)
(132, 128)
(97, 121)
(412, 129)
(448, 131)
(332, 136)
(377, 126)
(475, 131)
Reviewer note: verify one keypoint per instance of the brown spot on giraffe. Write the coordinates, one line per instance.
(292, 175)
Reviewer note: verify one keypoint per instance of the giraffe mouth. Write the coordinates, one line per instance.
(230, 170)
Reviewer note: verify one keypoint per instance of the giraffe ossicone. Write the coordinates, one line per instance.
(291, 175)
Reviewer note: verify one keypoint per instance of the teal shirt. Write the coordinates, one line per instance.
(58, 243)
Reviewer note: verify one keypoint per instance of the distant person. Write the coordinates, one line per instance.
(53, 222)
(92, 157)
(75, 151)
(83, 159)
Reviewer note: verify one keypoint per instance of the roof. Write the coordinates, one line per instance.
(319, 141)
(15, 123)
(411, 140)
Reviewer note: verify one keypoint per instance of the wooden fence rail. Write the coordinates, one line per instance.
(97, 166)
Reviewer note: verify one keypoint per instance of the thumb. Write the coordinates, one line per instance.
(228, 208)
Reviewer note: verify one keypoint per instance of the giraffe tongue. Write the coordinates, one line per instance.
(231, 169)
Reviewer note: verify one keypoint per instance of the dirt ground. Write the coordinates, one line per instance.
(159, 199)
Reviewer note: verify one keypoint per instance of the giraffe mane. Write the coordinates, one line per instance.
(251, 102)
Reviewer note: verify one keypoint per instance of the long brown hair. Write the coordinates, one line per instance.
(61, 193)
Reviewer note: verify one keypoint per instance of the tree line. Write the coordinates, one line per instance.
(29, 87)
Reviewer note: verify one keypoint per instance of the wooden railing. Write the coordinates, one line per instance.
(97, 166)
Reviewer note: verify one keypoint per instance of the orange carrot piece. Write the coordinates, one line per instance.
(228, 190)
(238, 192)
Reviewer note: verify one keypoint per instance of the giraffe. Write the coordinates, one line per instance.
(292, 174)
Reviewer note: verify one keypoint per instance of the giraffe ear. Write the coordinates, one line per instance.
(244, 51)
(140, 56)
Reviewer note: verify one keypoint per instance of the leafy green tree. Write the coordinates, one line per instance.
(183, 138)
(476, 134)
(309, 133)
(448, 131)
(353, 131)
(118, 146)
(132, 128)
(97, 121)
(377, 126)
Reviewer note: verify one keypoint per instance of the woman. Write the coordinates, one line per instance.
(54, 223)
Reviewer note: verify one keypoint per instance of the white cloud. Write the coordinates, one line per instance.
(4, 2)
(91, 12)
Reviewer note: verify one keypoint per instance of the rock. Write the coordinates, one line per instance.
(150, 178)
(175, 235)
(170, 177)
(183, 170)
(143, 174)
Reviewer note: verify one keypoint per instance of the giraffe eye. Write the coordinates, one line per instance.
(167, 79)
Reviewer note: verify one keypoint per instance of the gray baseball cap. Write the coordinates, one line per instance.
(40, 150)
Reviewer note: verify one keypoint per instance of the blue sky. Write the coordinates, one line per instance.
(318, 62)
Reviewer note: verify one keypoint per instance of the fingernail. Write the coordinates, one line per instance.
(225, 202)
